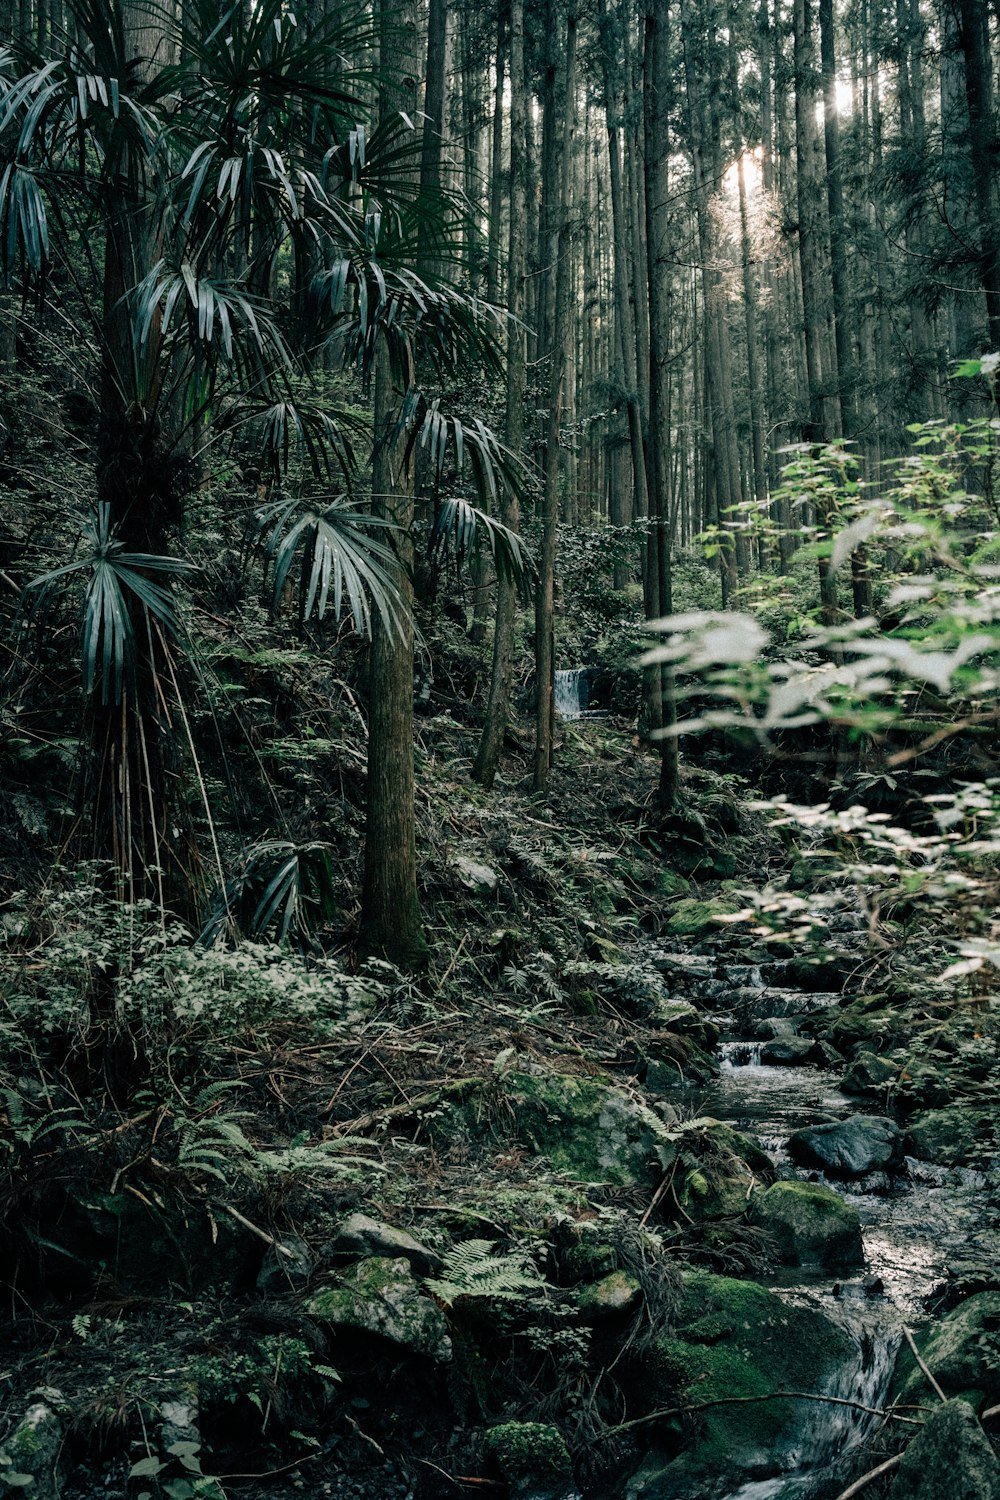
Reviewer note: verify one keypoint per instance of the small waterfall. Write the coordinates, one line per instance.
(572, 693)
(733, 1055)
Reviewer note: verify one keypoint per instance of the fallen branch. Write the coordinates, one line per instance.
(682, 1411)
(870, 1477)
(916, 1355)
(896, 1460)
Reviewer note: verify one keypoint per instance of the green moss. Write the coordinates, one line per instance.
(669, 883)
(611, 1296)
(737, 1339)
(534, 1450)
(963, 1350)
(586, 1129)
(694, 918)
(952, 1137)
(810, 1224)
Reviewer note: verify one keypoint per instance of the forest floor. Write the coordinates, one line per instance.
(197, 1308)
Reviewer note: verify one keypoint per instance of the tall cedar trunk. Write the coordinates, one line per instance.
(843, 308)
(750, 297)
(625, 325)
(656, 113)
(390, 922)
(974, 33)
(498, 706)
(822, 423)
(558, 328)
(718, 360)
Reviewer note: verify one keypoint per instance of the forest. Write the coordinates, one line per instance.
(500, 809)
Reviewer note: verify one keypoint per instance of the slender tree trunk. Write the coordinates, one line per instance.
(656, 107)
(390, 922)
(974, 32)
(498, 706)
(564, 127)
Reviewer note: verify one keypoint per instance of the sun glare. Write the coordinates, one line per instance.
(753, 176)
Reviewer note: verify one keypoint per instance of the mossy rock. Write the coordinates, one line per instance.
(683, 1017)
(962, 1349)
(809, 1223)
(585, 1128)
(29, 1457)
(613, 1296)
(532, 1457)
(734, 1339)
(719, 1167)
(380, 1295)
(669, 883)
(695, 918)
(953, 1137)
(950, 1456)
(869, 1074)
(588, 1256)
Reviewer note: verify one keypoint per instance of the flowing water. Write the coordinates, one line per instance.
(572, 693)
(913, 1221)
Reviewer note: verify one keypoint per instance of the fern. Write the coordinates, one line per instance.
(471, 1269)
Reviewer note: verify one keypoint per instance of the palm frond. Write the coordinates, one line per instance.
(118, 583)
(341, 563)
(282, 889)
(462, 529)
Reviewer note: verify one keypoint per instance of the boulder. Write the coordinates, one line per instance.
(361, 1235)
(962, 1350)
(611, 1297)
(950, 1456)
(869, 1074)
(474, 875)
(714, 1167)
(810, 1224)
(848, 1148)
(952, 1137)
(380, 1296)
(692, 917)
(732, 1339)
(287, 1265)
(533, 1460)
(681, 1016)
(29, 1456)
(585, 1128)
(788, 1050)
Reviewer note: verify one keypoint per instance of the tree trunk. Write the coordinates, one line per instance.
(498, 706)
(656, 114)
(560, 166)
(390, 923)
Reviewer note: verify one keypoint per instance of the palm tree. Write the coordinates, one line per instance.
(203, 205)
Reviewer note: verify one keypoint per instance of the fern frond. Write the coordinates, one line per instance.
(471, 1269)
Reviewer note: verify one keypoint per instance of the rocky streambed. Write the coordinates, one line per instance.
(925, 1226)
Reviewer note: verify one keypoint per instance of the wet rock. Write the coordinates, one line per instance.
(848, 1148)
(533, 1459)
(681, 1016)
(714, 1168)
(694, 918)
(380, 1296)
(869, 1074)
(733, 1338)
(810, 1224)
(585, 1128)
(950, 1456)
(361, 1235)
(29, 1457)
(287, 1266)
(683, 967)
(962, 1349)
(611, 1297)
(587, 1256)
(474, 875)
(788, 1051)
(773, 1027)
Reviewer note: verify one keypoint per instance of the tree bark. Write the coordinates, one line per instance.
(487, 759)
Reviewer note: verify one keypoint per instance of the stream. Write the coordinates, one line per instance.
(914, 1221)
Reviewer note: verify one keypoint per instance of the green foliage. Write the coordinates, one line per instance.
(473, 1269)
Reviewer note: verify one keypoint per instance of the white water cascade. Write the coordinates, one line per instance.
(572, 693)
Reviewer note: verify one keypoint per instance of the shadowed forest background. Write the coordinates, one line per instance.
(499, 814)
